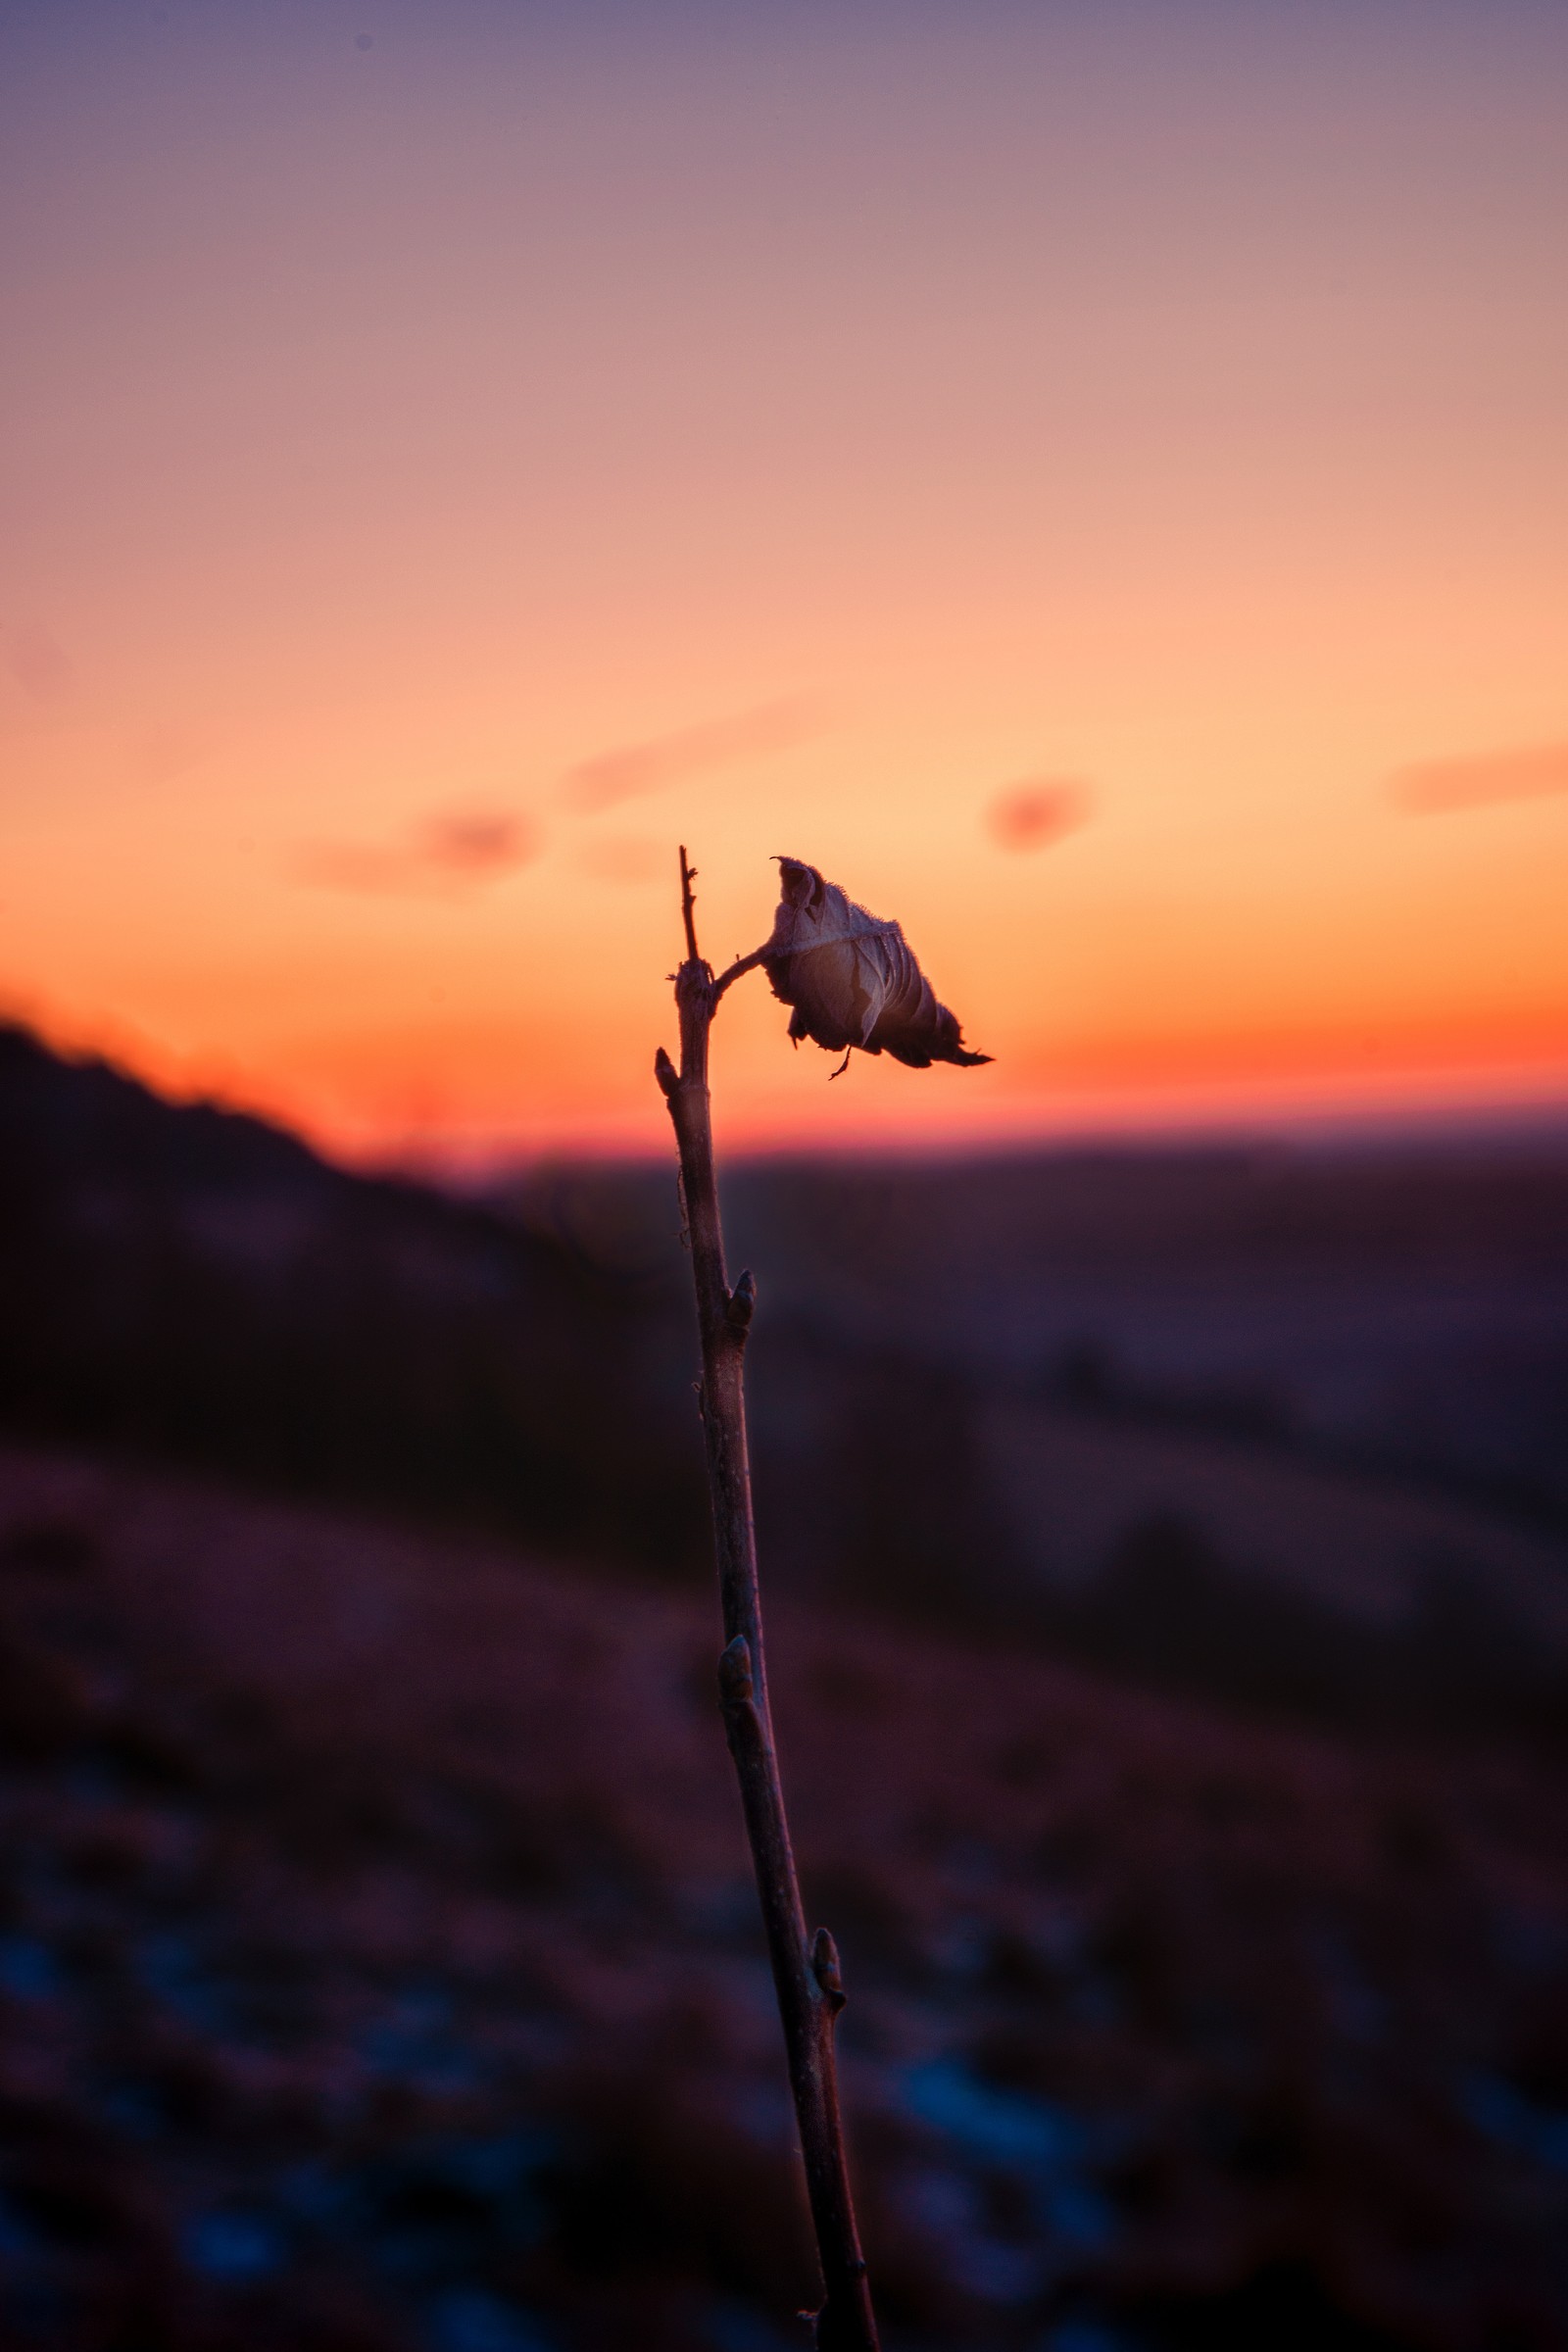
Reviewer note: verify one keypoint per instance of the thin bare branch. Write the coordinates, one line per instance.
(807, 1976)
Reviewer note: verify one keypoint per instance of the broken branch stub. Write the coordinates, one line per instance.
(851, 978)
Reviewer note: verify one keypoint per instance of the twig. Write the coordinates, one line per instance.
(688, 875)
(806, 1972)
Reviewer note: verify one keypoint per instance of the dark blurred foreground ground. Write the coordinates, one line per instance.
(377, 1968)
(1169, 1555)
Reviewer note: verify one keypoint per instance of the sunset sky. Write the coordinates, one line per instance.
(1092, 478)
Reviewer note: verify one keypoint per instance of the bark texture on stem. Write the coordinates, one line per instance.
(806, 1970)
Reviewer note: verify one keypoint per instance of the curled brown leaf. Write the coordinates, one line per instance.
(851, 978)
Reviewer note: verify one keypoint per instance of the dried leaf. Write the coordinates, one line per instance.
(852, 979)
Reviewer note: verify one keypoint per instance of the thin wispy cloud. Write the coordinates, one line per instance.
(630, 769)
(1038, 811)
(478, 843)
(447, 853)
(1430, 787)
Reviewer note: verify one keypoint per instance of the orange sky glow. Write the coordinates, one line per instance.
(1091, 479)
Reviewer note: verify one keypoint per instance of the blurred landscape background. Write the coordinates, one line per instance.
(1169, 1552)
(1089, 477)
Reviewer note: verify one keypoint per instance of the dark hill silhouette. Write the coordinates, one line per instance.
(1280, 1428)
(190, 1282)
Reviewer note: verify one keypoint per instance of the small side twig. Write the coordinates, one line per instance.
(807, 1976)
